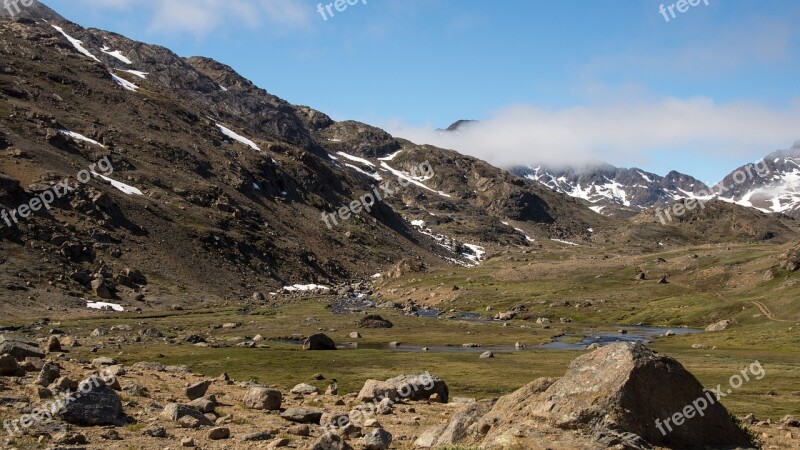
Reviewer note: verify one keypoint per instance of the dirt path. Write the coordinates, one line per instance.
(764, 310)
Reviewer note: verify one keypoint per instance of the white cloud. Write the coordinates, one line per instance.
(200, 17)
(625, 132)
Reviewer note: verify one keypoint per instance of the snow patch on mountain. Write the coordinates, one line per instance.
(76, 43)
(238, 137)
(125, 83)
(116, 54)
(80, 137)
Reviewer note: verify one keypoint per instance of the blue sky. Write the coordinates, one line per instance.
(552, 81)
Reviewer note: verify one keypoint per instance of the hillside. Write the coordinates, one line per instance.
(233, 180)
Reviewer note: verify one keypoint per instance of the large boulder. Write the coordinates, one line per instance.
(303, 415)
(8, 366)
(319, 341)
(719, 326)
(405, 387)
(197, 390)
(20, 348)
(791, 261)
(177, 412)
(305, 389)
(377, 439)
(458, 428)
(405, 267)
(374, 321)
(330, 441)
(622, 394)
(94, 404)
(263, 398)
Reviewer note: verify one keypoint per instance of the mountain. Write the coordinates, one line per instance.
(612, 190)
(219, 187)
(458, 124)
(769, 185)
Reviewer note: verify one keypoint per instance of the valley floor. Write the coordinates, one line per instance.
(594, 292)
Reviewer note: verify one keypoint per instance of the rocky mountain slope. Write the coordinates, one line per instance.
(771, 185)
(219, 187)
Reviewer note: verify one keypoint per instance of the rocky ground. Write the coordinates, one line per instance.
(599, 403)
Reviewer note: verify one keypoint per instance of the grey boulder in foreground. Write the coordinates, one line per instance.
(609, 397)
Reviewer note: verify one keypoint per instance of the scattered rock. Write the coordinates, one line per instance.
(355, 335)
(487, 354)
(333, 389)
(49, 373)
(177, 412)
(283, 442)
(299, 430)
(334, 420)
(329, 441)
(417, 387)
(319, 341)
(303, 415)
(719, 326)
(257, 436)
(155, 431)
(19, 348)
(204, 404)
(102, 288)
(374, 321)
(53, 344)
(8, 365)
(70, 439)
(197, 390)
(97, 405)
(219, 433)
(111, 435)
(505, 315)
(263, 398)
(304, 389)
(458, 426)
(377, 439)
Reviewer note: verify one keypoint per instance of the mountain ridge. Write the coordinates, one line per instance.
(623, 192)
